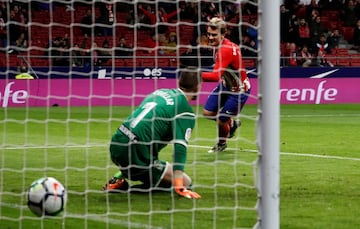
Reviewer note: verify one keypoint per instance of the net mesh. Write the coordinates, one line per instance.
(59, 132)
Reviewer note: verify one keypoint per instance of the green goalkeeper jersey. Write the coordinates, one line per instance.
(163, 117)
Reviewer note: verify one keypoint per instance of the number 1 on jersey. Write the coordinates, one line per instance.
(146, 109)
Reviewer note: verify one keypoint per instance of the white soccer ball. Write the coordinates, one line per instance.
(46, 197)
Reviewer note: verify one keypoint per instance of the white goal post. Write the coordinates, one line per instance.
(269, 115)
(90, 89)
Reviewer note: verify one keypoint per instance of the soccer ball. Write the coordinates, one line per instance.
(46, 197)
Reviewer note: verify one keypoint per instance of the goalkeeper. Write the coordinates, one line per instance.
(164, 116)
(230, 95)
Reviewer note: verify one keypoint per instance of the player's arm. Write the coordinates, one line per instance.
(178, 168)
(243, 77)
(183, 133)
(221, 64)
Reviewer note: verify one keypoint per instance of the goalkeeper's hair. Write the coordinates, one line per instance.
(189, 79)
(218, 23)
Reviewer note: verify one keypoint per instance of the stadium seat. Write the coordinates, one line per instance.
(148, 62)
(38, 62)
(133, 63)
(120, 63)
(13, 61)
(2, 59)
(249, 63)
(342, 51)
(348, 33)
(301, 12)
(162, 62)
(343, 60)
(355, 60)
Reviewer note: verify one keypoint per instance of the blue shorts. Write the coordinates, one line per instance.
(230, 103)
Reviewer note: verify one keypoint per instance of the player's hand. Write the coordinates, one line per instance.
(182, 191)
(246, 85)
(187, 193)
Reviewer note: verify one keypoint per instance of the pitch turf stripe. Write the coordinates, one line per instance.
(91, 217)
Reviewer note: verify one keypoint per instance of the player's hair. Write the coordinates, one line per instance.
(218, 23)
(189, 79)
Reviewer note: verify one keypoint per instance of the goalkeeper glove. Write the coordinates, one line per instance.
(182, 191)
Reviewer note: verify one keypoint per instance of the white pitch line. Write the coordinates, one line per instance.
(320, 156)
(193, 146)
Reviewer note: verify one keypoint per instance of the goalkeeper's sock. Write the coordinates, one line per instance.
(118, 175)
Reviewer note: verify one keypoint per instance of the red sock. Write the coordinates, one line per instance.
(224, 131)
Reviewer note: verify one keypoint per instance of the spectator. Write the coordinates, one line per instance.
(101, 55)
(250, 7)
(335, 4)
(142, 20)
(248, 47)
(316, 30)
(20, 44)
(188, 11)
(333, 38)
(170, 44)
(3, 30)
(284, 24)
(199, 50)
(322, 61)
(304, 33)
(123, 49)
(77, 59)
(57, 52)
(210, 8)
(150, 44)
(322, 45)
(312, 12)
(230, 10)
(293, 34)
(159, 17)
(252, 31)
(356, 36)
(87, 22)
(106, 19)
(130, 17)
(305, 57)
(23, 73)
(14, 28)
(291, 55)
(65, 41)
(86, 51)
(233, 34)
(348, 13)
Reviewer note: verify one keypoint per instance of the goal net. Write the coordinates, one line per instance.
(92, 62)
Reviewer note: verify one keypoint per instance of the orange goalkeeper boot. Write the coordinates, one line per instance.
(116, 184)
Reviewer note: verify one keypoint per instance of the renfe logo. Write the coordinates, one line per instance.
(309, 94)
(16, 96)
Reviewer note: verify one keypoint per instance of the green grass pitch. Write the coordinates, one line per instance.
(320, 185)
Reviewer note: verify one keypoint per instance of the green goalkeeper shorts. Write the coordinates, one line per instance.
(135, 160)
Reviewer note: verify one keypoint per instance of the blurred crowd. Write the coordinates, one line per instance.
(307, 36)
